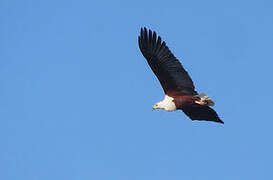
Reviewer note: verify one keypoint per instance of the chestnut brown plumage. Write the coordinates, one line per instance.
(174, 79)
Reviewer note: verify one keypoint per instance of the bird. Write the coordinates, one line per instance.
(179, 89)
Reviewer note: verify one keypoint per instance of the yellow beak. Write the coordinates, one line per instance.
(155, 107)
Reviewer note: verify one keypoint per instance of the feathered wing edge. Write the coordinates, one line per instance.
(169, 71)
(204, 113)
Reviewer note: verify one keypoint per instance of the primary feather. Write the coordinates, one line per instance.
(169, 71)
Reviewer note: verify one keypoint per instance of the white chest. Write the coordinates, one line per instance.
(168, 103)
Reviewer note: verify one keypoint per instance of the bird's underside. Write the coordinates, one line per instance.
(197, 108)
(177, 84)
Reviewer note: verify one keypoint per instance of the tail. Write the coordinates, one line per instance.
(205, 99)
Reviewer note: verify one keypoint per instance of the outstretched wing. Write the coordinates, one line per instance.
(201, 113)
(169, 71)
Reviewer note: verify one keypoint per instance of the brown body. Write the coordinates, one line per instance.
(182, 101)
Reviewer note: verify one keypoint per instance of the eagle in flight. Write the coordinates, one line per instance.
(174, 79)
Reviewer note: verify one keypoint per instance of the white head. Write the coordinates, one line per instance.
(167, 104)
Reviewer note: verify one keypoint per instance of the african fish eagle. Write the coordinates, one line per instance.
(175, 81)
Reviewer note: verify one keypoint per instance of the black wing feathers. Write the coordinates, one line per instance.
(172, 76)
(201, 113)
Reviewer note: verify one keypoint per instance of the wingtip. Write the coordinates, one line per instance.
(150, 32)
(145, 30)
(142, 28)
(220, 121)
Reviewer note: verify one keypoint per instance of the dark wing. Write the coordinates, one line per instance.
(201, 113)
(169, 71)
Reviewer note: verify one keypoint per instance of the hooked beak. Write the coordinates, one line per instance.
(155, 107)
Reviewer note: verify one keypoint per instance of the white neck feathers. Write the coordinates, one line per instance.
(167, 104)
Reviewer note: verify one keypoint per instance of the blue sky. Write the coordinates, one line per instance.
(76, 93)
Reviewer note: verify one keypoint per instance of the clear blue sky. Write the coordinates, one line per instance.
(76, 93)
